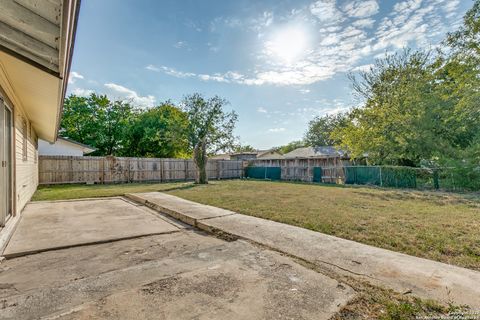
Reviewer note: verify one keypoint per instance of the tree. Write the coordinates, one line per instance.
(96, 121)
(466, 39)
(158, 132)
(459, 79)
(290, 146)
(244, 148)
(402, 121)
(319, 132)
(209, 129)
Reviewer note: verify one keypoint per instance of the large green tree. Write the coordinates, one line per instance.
(97, 121)
(420, 107)
(158, 132)
(399, 122)
(319, 132)
(209, 129)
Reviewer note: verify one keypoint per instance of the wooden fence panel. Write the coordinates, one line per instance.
(301, 169)
(68, 169)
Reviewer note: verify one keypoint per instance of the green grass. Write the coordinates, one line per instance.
(438, 226)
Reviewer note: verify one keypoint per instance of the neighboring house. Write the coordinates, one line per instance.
(224, 156)
(258, 154)
(244, 156)
(299, 164)
(36, 45)
(320, 152)
(63, 147)
(269, 154)
(320, 156)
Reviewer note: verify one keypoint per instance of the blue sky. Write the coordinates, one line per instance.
(278, 62)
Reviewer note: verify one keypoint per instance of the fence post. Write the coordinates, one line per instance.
(436, 185)
(185, 165)
(70, 175)
(161, 170)
(128, 170)
(381, 182)
(103, 171)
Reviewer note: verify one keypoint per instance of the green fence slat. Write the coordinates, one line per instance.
(271, 173)
(317, 174)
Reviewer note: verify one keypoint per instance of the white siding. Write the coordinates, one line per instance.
(59, 148)
(26, 170)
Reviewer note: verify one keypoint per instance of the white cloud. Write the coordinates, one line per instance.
(326, 11)
(151, 67)
(82, 92)
(415, 21)
(364, 23)
(450, 8)
(181, 45)
(129, 94)
(276, 130)
(340, 41)
(261, 22)
(212, 47)
(262, 110)
(170, 71)
(74, 76)
(304, 91)
(361, 8)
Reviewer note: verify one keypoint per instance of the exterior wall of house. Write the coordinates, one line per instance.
(25, 153)
(59, 148)
(26, 159)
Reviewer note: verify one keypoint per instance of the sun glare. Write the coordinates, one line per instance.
(289, 43)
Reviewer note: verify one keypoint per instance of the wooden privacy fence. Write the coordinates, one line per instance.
(303, 169)
(70, 169)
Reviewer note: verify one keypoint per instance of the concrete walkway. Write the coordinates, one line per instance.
(400, 272)
(50, 225)
(185, 274)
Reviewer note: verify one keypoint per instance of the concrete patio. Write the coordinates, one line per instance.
(113, 259)
(424, 278)
(62, 224)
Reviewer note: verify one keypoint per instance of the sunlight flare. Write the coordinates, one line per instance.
(288, 44)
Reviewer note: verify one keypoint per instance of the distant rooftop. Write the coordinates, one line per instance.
(315, 152)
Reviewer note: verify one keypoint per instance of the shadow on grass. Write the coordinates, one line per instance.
(183, 187)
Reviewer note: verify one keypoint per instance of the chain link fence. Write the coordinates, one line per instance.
(447, 179)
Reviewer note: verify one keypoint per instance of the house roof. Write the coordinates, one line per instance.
(258, 153)
(315, 152)
(224, 156)
(86, 148)
(36, 47)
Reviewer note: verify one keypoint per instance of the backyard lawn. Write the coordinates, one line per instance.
(438, 226)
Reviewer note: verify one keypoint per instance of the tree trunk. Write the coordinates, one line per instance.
(200, 159)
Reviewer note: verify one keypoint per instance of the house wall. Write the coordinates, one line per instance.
(25, 151)
(59, 148)
(26, 165)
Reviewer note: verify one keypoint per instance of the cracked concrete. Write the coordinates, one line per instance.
(186, 274)
(403, 273)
